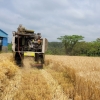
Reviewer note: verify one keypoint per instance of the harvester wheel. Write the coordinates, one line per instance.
(39, 61)
(18, 59)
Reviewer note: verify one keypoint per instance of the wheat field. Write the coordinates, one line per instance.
(62, 78)
(21, 83)
(83, 71)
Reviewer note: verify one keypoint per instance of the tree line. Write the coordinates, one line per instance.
(74, 45)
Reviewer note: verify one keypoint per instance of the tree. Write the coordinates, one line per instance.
(55, 48)
(69, 42)
(98, 39)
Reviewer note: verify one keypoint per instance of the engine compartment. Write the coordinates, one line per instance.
(29, 42)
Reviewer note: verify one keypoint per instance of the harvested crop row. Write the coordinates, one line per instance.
(24, 83)
(33, 87)
(56, 89)
(64, 81)
(83, 71)
(9, 77)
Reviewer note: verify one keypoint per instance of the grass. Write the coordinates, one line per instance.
(9, 47)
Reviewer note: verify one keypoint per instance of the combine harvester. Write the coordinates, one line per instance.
(26, 43)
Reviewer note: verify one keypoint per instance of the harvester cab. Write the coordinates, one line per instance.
(26, 43)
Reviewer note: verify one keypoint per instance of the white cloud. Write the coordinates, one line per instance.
(52, 18)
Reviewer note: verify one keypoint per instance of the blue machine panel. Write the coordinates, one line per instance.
(4, 37)
(3, 34)
(5, 42)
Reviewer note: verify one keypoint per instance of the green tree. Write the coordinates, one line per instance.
(98, 40)
(55, 48)
(9, 47)
(69, 41)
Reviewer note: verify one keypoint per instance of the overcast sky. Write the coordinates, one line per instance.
(52, 18)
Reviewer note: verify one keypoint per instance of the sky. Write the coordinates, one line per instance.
(52, 18)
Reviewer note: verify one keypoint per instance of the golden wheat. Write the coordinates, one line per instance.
(83, 71)
(78, 76)
(33, 87)
(20, 83)
(8, 70)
